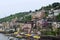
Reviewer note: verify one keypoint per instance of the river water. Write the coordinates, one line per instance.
(4, 37)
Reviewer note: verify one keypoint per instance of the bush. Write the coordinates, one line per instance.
(49, 33)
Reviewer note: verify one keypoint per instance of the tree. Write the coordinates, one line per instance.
(58, 17)
(56, 5)
(58, 31)
(30, 11)
(36, 10)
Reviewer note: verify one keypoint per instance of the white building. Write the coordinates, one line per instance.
(56, 12)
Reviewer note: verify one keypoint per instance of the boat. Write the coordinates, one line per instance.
(11, 38)
(36, 37)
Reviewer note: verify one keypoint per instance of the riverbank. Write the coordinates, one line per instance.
(43, 37)
(31, 36)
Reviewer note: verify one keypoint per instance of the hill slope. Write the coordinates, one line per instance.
(27, 16)
(18, 15)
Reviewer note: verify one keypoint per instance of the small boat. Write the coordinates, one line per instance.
(28, 34)
(15, 33)
(19, 36)
(37, 37)
(11, 38)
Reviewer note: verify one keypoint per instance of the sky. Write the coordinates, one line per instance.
(8, 7)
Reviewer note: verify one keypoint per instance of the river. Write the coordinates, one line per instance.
(4, 37)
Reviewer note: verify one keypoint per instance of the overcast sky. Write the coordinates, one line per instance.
(8, 7)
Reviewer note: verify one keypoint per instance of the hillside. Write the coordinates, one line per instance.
(22, 15)
(18, 15)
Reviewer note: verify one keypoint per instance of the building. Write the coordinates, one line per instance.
(53, 12)
(26, 27)
(38, 15)
(56, 12)
(38, 18)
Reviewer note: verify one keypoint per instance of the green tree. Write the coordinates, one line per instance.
(58, 17)
(56, 5)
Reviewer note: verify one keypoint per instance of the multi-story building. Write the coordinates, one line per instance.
(38, 18)
(26, 27)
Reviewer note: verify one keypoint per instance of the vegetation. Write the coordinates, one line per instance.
(58, 31)
(55, 6)
(27, 18)
(58, 17)
(18, 15)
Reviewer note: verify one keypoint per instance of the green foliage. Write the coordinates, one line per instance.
(27, 18)
(48, 7)
(46, 13)
(36, 10)
(49, 33)
(9, 18)
(58, 17)
(56, 5)
(58, 31)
